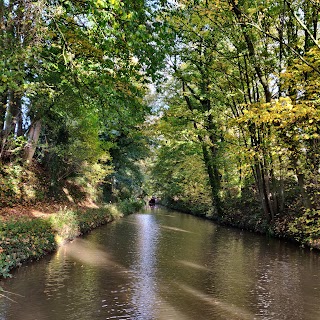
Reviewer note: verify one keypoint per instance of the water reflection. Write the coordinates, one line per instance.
(144, 295)
(167, 266)
(278, 281)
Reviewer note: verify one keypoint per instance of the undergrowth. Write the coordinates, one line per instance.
(306, 228)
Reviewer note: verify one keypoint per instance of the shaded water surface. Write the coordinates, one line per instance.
(164, 265)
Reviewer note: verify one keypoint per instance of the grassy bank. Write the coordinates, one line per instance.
(26, 239)
(301, 227)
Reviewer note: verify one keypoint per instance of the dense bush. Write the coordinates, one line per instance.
(94, 218)
(69, 224)
(18, 183)
(306, 228)
(197, 209)
(66, 225)
(24, 240)
(129, 206)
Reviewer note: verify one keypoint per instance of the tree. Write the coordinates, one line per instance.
(79, 76)
(236, 63)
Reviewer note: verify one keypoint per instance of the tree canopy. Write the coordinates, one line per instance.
(240, 87)
(233, 115)
(73, 78)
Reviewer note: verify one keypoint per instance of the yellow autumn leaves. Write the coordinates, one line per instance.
(283, 113)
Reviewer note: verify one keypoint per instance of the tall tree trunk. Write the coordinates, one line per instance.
(261, 174)
(216, 174)
(12, 121)
(212, 174)
(260, 182)
(33, 138)
(16, 113)
(281, 187)
(212, 170)
(251, 50)
(301, 183)
(3, 107)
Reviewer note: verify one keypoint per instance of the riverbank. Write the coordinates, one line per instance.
(30, 234)
(299, 226)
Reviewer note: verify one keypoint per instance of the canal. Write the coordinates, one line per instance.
(162, 265)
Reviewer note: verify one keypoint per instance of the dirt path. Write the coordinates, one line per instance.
(40, 209)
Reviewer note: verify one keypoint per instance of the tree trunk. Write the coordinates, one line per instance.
(301, 183)
(12, 119)
(254, 59)
(3, 107)
(33, 138)
(212, 170)
(13, 114)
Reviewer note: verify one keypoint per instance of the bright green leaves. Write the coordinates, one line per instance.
(179, 175)
(82, 78)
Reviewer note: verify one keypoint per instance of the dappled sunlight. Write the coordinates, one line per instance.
(176, 229)
(194, 265)
(88, 203)
(234, 311)
(38, 213)
(67, 193)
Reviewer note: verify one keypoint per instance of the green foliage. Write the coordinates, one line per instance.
(129, 148)
(69, 224)
(24, 240)
(19, 183)
(306, 228)
(66, 225)
(243, 87)
(129, 206)
(93, 218)
(10, 181)
(178, 175)
(82, 74)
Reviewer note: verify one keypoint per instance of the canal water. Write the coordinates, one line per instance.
(162, 265)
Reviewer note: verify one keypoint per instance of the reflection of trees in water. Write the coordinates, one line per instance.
(72, 283)
(232, 264)
(262, 274)
(76, 283)
(57, 272)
